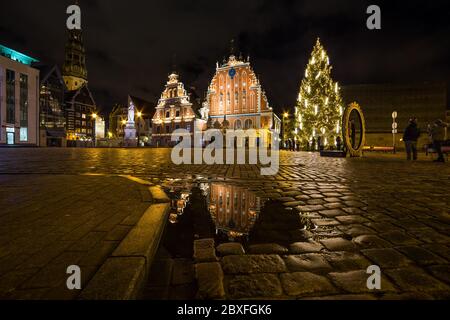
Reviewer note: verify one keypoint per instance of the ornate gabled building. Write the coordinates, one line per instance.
(174, 111)
(236, 100)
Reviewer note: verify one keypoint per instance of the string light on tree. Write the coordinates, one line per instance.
(320, 103)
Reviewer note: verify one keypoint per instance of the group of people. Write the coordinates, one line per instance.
(436, 132)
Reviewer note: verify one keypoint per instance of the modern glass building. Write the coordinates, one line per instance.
(19, 99)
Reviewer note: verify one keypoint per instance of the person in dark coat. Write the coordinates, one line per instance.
(438, 136)
(353, 133)
(410, 137)
(339, 143)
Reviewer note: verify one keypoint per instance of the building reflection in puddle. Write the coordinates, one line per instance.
(230, 212)
(233, 209)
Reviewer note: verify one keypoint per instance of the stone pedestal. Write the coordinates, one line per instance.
(130, 135)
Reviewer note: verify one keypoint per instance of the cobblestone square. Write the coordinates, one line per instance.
(68, 206)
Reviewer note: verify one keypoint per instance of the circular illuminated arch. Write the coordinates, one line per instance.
(357, 149)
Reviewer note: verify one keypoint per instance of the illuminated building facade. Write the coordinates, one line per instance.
(236, 100)
(51, 105)
(174, 111)
(80, 104)
(233, 209)
(19, 99)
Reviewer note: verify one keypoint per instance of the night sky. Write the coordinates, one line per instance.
(131, 44)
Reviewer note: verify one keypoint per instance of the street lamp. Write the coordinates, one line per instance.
(285, 117)
(124, 123)
(139, 116)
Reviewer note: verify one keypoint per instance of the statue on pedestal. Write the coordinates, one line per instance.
(130, 129)
(131, 113)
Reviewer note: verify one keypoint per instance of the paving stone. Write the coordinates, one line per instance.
(182, 272)
(431, 236)
(325, 222)
(254, 286)
(210, 280)
(355, 230)
(399, 238)
(440, 249)
(118, 279)
(286, 199)
(300, 284)
(160, 274)
(371, 242)
(253, 264)
(441, 272)
(407, 296)
(335, 205)
(307, 262)
(294, 203)
(346, 261)
(204, 251)
(230, 249)
(421, 256)
(309, 208)
(332, 213)
(305, 247)
(315, 202)
(268, 248)
(414, 279)
(338, 244)
(350, 210)
(351, 219)
(387, 258)
(356, 282)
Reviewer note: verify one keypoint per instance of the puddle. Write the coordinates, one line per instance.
(228, 212)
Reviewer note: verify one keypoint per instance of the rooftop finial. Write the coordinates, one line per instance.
(232, 47)
(174, 63)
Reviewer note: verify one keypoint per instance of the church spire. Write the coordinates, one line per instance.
(74, 68)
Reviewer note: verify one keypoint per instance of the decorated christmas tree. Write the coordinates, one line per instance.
(319, 105)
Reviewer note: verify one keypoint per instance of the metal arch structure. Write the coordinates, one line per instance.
(357, 150)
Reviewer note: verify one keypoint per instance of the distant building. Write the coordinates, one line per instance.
(80, 104)
(52, 107)
(425, 101)
(19, 99)
(174, 111)
(118, 120)
(100, 128)
(80, 108)
(144, 113)
(236, 100)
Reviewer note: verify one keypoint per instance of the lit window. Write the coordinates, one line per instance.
(23, 134)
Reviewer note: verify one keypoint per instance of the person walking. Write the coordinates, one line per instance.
(319, 143)
(410, 137)
(339, 143)
(437, 133)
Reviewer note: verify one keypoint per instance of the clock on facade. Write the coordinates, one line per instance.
(232, 73)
